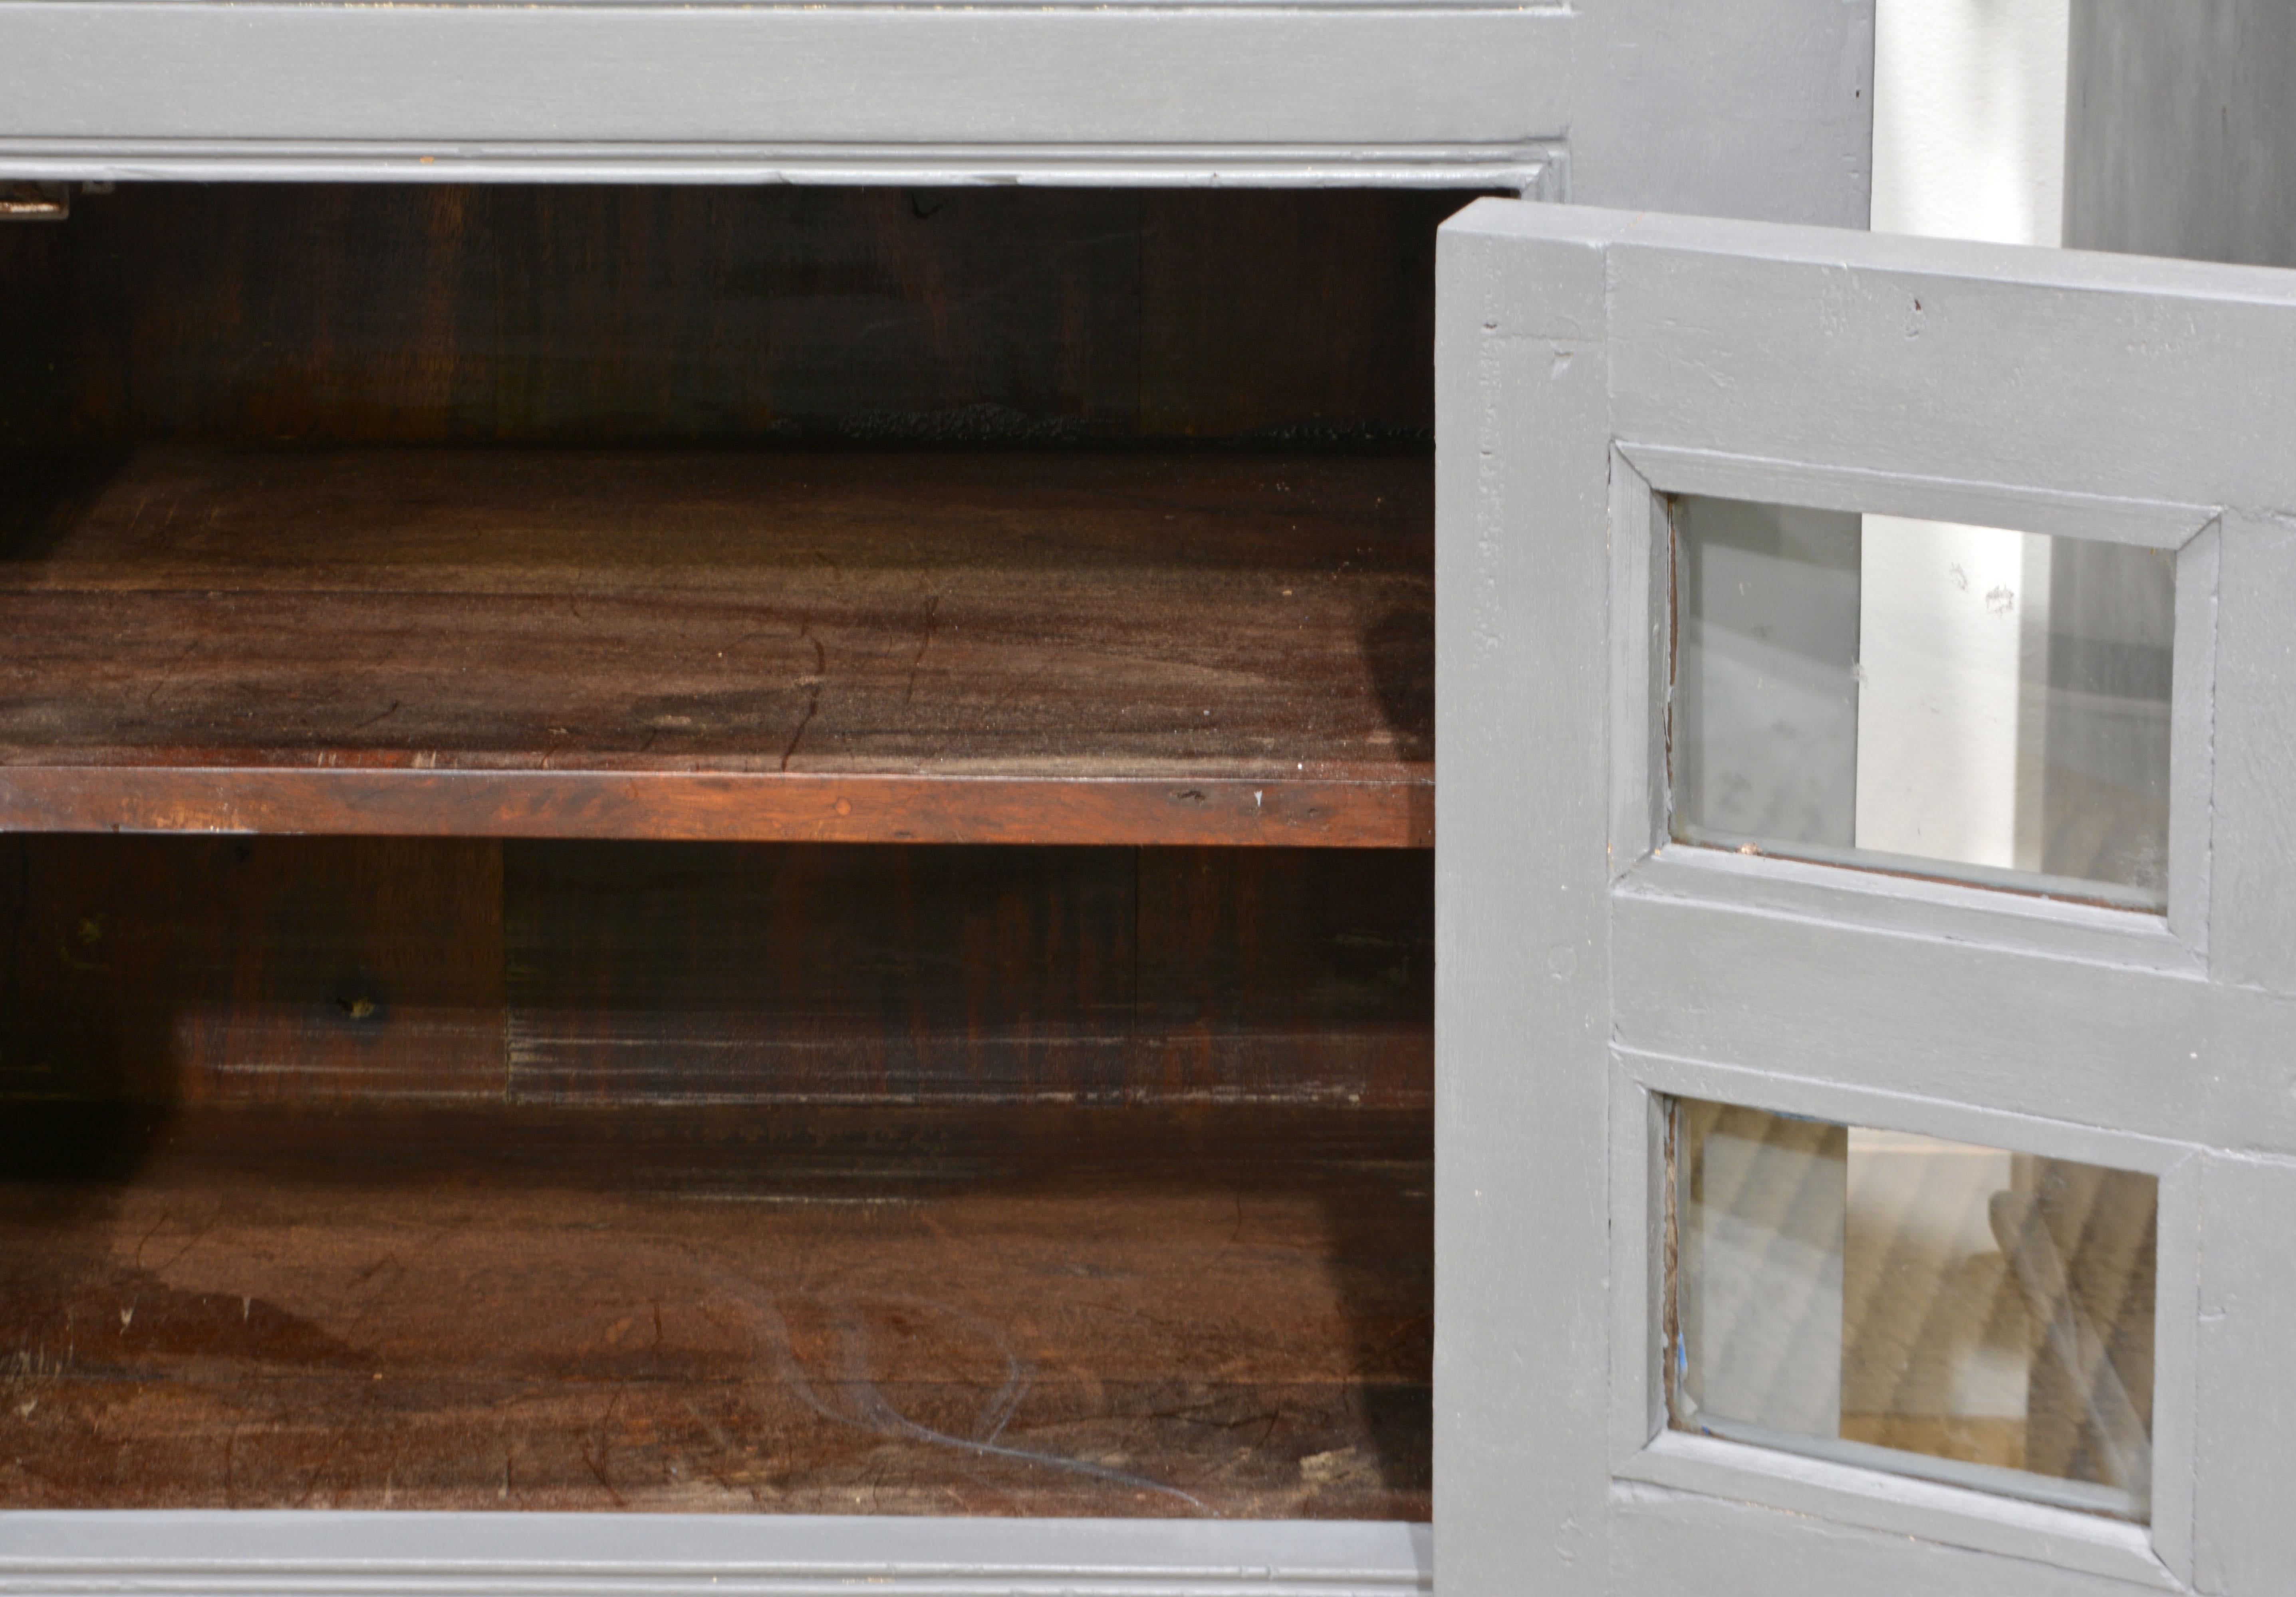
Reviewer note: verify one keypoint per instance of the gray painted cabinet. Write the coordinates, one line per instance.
(1593, 364)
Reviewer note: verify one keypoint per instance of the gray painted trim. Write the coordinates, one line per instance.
(2008, 271)
(1939, 359)
(2252, 827)
(137, 74)
(1641, 671)
(2177, 1362)
(1843, 1492)
(2244, 1537)
(1683, 1544)
(2096, 1043)
(1522, 946)
(1535, 168)
(1760, 108)
(2191, 738)
(2099, 1042)
(1916, 907)
(1638, 1190)
(511, 1555)
(2153, 524)
(1950, 1516)
(1558, 8)
(1641, 666)
(2079, 1496)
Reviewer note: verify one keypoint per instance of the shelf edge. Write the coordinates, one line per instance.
(720, 806)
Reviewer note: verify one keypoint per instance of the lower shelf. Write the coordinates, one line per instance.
(1020, 1310)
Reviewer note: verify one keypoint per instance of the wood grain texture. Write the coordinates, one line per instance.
(271, 969)
(172, 970)
(861, 646)
(641, 973)
(1284, 974)
(1112, 1313)
(569, 315)
(456, 1174)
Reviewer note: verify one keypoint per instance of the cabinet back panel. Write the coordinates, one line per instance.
(189, 970)
(406, 314)
(372, 1172)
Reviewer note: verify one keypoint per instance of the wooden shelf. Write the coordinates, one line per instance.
(1114, 1311)
(930, 646)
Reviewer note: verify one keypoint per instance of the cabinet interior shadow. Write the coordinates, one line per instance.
(332, 314)
(375, 1173)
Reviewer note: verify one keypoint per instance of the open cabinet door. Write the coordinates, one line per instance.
(1866, 914)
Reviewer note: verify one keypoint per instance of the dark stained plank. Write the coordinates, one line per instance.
(1044, 1312)
(648, 973)
(15, 866)
(931, 646)
(162, 970)
(165, 969)
(414, 313)
(684, 523)
(765, 808)
(653, 972)
(1286, 975)
(1343, 348)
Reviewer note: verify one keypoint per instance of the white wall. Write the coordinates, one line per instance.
(1969, 120)
(1969, 115)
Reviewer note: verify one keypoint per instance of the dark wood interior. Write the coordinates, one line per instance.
(396, 1171)
(707, 959)
(1033, 1310)
(349, 314)
(162, 971)
(969, 515)
(947, 646)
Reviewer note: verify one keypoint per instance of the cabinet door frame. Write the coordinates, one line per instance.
(1588, 969)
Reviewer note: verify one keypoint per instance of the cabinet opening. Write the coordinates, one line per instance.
(1048, 516)
(368, 1173)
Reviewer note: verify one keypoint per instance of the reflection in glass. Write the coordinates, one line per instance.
(1900, 1303)
(1954, 699)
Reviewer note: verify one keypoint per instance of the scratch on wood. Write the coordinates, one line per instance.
(813, 705)
(909, 690)
(376, 720)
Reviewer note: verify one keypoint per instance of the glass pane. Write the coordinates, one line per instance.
(1959, 700)
(1933, 1308)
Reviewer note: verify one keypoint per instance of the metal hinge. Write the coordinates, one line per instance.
(35, 201)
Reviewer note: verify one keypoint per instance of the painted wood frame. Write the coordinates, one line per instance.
(504, 1555)
(1588, 969)
(1761, 109)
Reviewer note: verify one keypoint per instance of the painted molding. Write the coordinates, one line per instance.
(1534, 168)
(215, 1553)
